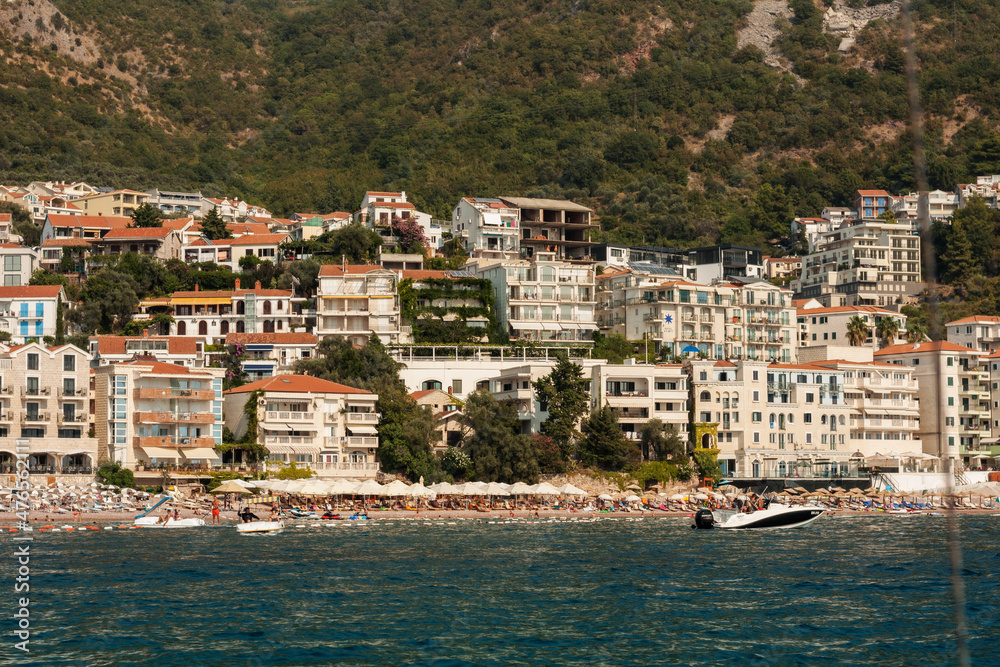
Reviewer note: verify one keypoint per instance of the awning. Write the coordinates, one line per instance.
(587, 325)
(367, 430)
(550, 326)
(199, 453)
(259, 367)
(161, 453)
(527, 326)
(304, 449)
(569, 326)
(260, 348)
(279, 449)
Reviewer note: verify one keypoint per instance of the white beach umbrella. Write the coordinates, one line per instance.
(470, 489)
(520, 489)
(570, 490)
(368, 488)
(313, 487)
(632, 498)
(444, 489)
(495, 489)
(395, 488)
(418, 490)
(545, 489)
(342, 487)
(605, 496)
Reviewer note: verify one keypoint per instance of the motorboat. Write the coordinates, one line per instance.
(260, 527)
(773, 517)
(155, 522)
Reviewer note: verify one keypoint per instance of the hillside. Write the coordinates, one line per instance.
(676, 120)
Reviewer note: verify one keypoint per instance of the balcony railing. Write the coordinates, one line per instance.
(362, 441)
(73, 393)
(35, 417)
(167, 392)
(171, 441)
(37, 391)
(289, 440)
(174, 417)
(362, 417)
(72, 419)
(290, 416)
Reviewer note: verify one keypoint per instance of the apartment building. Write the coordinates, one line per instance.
(618, 255)
(355, 301)
(828, 326)
(447, 412)
(980, 332)
(780, 268)
(7, 228)
(212, 314)
(116, 202)
(173, 202)
(809, 230)
(990, 448)
(678, 317)
(176, 350)
(29, 311)
(18, 263)
(543, 301)
(81, 226)
(772, 420)
(872, 203)
(53, 251)
(268, 354)
(314, 423)
(151, 413)
(44, 400)
(940, 205)
(863, 262)
(161, 243)
(639, 393)
(954, 394)
(232, 210)
(229, 252)
(487, 227)
(553, 229)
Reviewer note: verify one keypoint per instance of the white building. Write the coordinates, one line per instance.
(863, 262)
(328, 427)
(980, 332)
(355, 301)
(269, 354)
(229, 252)
(176, 350)
(173, 202)
(29, 311)
(639, 393)
(543, 301)
(19, 263)
(828, 326)
(487, 227)
(212, 314)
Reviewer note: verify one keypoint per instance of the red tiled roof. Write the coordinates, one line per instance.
(423, 275)
(59, 243)
(385, 194)
(222, 293)
(118, 344)
(299, 384)
(12, 245)
(234, 338)
(976, 319)
(392, 204)
(88, 221)
(352, 269)
(178, 224)
(417, 395)
(933, 346)
(848, 309)
(139, 233)
(5, 217)
(873, 193)
(722, 363)
(258, 228)
(246, 239)
(30, 292)
(159, 367)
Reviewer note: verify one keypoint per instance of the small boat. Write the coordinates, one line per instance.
(154, 522)
(260, 527)
(775, 516)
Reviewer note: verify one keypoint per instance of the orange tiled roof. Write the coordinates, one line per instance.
(933, 346)
(118, 344)
(424, 274)
(58, 243)
(139, 233)
(299, 384)
(30, 292)
(160, 367)
(847, 309)
(352, 269)
(976, 319)
(234, 338)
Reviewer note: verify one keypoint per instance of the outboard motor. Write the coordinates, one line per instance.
(704, 519)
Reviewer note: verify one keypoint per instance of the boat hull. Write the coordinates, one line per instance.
(776, 517)
(153, 522)
(260, 527)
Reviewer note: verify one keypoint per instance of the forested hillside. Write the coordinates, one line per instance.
(646, 110)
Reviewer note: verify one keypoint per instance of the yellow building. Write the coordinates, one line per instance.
(116, 202)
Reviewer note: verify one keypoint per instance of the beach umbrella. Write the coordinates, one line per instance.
(698, 496)
(570, 490)
(368, 488)
(634, 498)
(230, 487)
(545, 489)
(470, 489)
(312, 487)
(633, 487)
(418, 490)
(395, 488)
(604, 496)
(677, 497)
(520, 489)
(495, 489)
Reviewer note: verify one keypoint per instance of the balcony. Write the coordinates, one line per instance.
(362, 441)
(362, 417)
(37, 392)
(345, 469)
(72, 419)
(35, 417)
(73, 394)
(289, 440)
(170, 441)
(174, 417)
(167, 392)
(290, 416)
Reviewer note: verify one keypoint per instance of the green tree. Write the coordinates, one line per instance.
(107, 302)
(60, 324)
(660, 442)
(301, 276)
(959, 263)
(604, 445)
(214, 227)
(498, 450)
(354, 243)
(113, 473)
(887, 329)
(146, 215)
(857, 331)
(615, 348)
(564, 394)
(981, 225)
(44, 277)
(915, 332)
(337, 360)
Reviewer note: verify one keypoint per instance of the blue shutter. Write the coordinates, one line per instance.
(38, 327)
(24, 310)
(39, 310)
(24, 328)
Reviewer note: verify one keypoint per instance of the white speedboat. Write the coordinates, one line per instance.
(154, 522)
(260, 527)
(775, 516)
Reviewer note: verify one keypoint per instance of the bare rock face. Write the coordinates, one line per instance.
(843, 20)
(763, 28)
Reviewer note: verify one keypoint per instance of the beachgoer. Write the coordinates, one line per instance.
(215, 512)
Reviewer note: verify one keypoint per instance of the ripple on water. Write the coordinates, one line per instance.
(864, 591)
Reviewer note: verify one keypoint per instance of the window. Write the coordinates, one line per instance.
(951, 382)
(756, 417)
(809, 397)
(69, 362)
(756, 397)
(12, 263)
(951, 361)
(807, 418)
(809, 437)
(756, 377)
(949, 421)
(39, 310)
(33, 362)
(456, 386)
(951, 401)
(431, 384)
(12, 280)
(69, 386)
(756, 436)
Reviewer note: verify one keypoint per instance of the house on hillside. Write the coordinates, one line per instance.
(81, 226)
(161, 243)
(228, 252)
(29, 311)
(447, 411)
(53, 251)
(18, 263)
(114, 203)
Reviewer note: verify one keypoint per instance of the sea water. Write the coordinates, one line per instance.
(845, 591)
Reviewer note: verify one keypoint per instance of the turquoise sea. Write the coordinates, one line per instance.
(846, 591)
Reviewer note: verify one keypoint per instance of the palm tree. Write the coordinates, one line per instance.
(915, 333)
(857, 331)
(887, 329)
